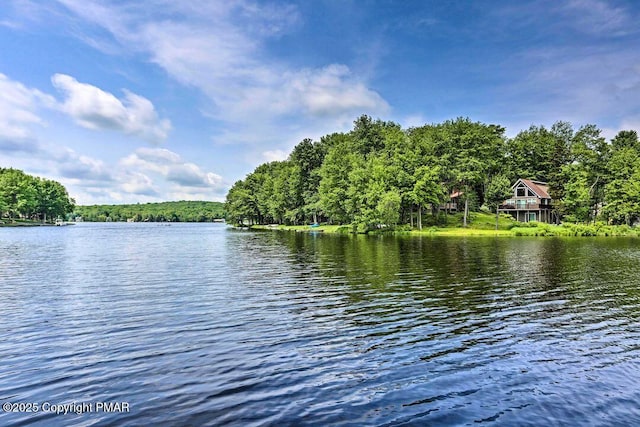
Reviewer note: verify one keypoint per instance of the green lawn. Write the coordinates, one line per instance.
(479, 224)
(6, 222)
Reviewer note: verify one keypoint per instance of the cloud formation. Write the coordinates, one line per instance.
(147, 175)
(597, 17)
(184, 176)
(274, 155)
(219, 48)
(93, 108)
(19, 107)
(139, 184)
(84, 169)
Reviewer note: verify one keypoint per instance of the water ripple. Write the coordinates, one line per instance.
(200, 325)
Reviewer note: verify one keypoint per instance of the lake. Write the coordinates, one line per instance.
(198, 324)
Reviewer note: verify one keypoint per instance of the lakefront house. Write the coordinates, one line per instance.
(529, 201)
(454, 202)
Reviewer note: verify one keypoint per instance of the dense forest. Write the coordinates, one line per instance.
(29, 197)
(380, 175)
(184, 211)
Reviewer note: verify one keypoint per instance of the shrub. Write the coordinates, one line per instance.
(344, 229)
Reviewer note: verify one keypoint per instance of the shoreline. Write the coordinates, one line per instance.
(21, 224)
(541, 230)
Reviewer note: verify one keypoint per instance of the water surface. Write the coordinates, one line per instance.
(196, 324)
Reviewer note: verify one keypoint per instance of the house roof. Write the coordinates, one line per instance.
(541, 189)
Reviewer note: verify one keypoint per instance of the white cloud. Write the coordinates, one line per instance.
(630, 123)
(597, 17)
(10, 24)
(139, 184)
(93, 108)
(19, 107)
(616, 89)
(146, 175)
(274, 155)
(161, 156)
(331, 91)
(219, 48)
(414, 120)
(82, 168)
(577, 84)
(190, 175)
(184, 176)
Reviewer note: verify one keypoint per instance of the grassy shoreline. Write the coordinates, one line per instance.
(482, 225)
(550, 231)
(23, 223)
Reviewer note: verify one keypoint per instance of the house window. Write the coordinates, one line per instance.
(531, 201)
(520, 192)
(531, 216)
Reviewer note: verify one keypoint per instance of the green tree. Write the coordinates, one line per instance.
(427, 189)
(589, 157)
(562, 133)
(335, 181)
(52, 199)
(388, 208)
(529, 154)
(577, 200)
(32, 197)
(476, 151)
(355, 178)
(309, 156)
(240, 204)
(18, 192)
(623, 167)
(368, 135)
(498, 190)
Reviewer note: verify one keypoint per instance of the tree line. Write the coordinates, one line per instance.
(182, 211)
(379, 174)
(30, 197)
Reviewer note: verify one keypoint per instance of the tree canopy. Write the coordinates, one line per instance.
(183, 211)
(379, 175)
(31, 197)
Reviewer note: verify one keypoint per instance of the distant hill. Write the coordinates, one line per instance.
(183, 211)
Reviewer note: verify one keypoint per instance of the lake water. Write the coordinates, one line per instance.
(197, 324)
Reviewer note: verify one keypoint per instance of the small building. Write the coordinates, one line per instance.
(453, 203)
(530, 201)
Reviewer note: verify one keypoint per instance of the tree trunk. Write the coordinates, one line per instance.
(419, 217)
(497, 217)
(466, 211)
(411, 216)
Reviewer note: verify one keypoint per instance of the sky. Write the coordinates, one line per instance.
(126, 101)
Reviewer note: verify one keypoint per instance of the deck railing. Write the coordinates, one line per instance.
(523, 206)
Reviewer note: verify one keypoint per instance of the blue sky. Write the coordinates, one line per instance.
(127, 101)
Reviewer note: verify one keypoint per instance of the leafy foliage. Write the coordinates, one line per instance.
(183, 211)
(498, 190)
(30, 197)
(380, 176)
